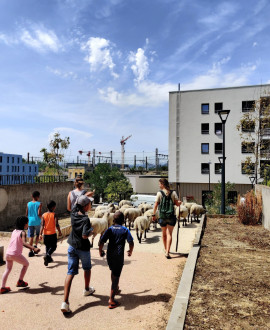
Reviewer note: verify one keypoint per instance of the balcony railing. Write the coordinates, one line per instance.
(205, 170)
(218, 151)
(265, 131)
(205, 131)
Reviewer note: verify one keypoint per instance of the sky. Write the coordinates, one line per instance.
(97, 70)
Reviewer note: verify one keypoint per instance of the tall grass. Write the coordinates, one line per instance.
(250, 210)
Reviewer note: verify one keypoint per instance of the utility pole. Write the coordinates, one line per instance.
(146, 164)
(111, 160)
(94, 155)
(134, 161)
(157, 165)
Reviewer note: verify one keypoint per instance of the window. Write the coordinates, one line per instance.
(218, 106)
(205, 108)
(205, 128)
(12, 160)
(232, 197)
(204, 168)
(248, 106)
(265, 148)
(265, 126)
(18, 160)
(29, 169)
(218, 128)
(218, 168)
(1, 159)
(205, 148)
(35, 169)
(264, 168)
(7, 168)
(23, 169)
(7, 159)
(218, 148)
(248, 126)
(247, 147)
(248, 168)
(0, 168)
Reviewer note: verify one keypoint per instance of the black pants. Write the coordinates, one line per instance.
(50, 242)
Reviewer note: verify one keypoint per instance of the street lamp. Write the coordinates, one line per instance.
(223, 115)
(252, 180)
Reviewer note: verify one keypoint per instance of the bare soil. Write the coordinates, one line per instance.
(231, 283)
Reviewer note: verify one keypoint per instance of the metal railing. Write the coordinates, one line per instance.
(24, 179)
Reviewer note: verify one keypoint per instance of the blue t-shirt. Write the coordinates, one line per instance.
(34, 219)
(117, 236)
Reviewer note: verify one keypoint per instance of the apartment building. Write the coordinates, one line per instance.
(196, 141)
(13, 170)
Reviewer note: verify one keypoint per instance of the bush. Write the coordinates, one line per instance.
(250, 208)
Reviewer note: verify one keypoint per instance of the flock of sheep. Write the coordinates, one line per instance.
(139, 218)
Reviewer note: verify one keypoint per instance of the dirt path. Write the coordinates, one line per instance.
(231, 284)
(149, 282)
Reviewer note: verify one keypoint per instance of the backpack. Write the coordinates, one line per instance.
(166, 206)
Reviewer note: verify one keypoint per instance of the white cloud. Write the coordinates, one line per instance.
(40, 39)
(147, 94)
(254, 44)
(215, 77)
(62, 74)
(140, 67)
(6, 39)
(217, 18)
(70, 130)
(99, 56)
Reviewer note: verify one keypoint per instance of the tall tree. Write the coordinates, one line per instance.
(56, 152)
(254, 128)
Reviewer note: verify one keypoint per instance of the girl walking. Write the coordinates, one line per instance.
(14, 253)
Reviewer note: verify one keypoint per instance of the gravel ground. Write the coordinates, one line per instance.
(148, 282)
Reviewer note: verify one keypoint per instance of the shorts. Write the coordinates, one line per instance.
(74, 255)
(165, 222)
(32, 230)
(116, 266)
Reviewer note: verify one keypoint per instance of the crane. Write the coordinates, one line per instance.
(123, 142)
(88, 154)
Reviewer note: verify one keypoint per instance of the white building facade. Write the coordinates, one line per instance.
(195, 137)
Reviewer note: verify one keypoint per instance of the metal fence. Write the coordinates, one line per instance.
(24, 179)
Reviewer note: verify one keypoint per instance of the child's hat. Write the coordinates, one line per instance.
(82, 200)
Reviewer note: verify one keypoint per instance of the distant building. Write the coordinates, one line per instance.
(13, 170)
(195, 138)
(76, 170)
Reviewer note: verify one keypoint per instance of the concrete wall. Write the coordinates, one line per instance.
(13, 199)
(266, 205)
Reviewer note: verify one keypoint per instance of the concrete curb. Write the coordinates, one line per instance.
(179, 309)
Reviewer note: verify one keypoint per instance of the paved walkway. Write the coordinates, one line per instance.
(149, 282)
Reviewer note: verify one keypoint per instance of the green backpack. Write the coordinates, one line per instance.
(166, 206)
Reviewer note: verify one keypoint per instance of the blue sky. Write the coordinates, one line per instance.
(97, 70)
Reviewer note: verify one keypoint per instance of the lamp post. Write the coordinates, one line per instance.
(209, 177)
(223, 115)
(252, 180)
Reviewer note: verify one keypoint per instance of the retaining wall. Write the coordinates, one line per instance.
(14, 198)
(266, 205)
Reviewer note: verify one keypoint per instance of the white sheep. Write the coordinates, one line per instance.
(141, 224)
(124, 207)
(124, 202)
(100, 214)
(149, 215)
(188, 206)
(182, 214)
(144, 207)
(197, 210)
(99, 225)
(131, 214)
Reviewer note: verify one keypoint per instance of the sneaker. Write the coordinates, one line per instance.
(88, 292)
(65, 308)
(5, 290)
(31, 254)
(45, 261)
(50, 259)
(36, 248)
(21, 284)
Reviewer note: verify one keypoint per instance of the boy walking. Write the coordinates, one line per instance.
(48, 223)
(33, 212)
(117, 236)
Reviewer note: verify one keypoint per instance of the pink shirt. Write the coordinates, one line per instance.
(16, 244)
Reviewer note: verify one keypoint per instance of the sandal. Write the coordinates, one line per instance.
(167, 255)
(114, 305)
(5, 290)
(21, 284)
